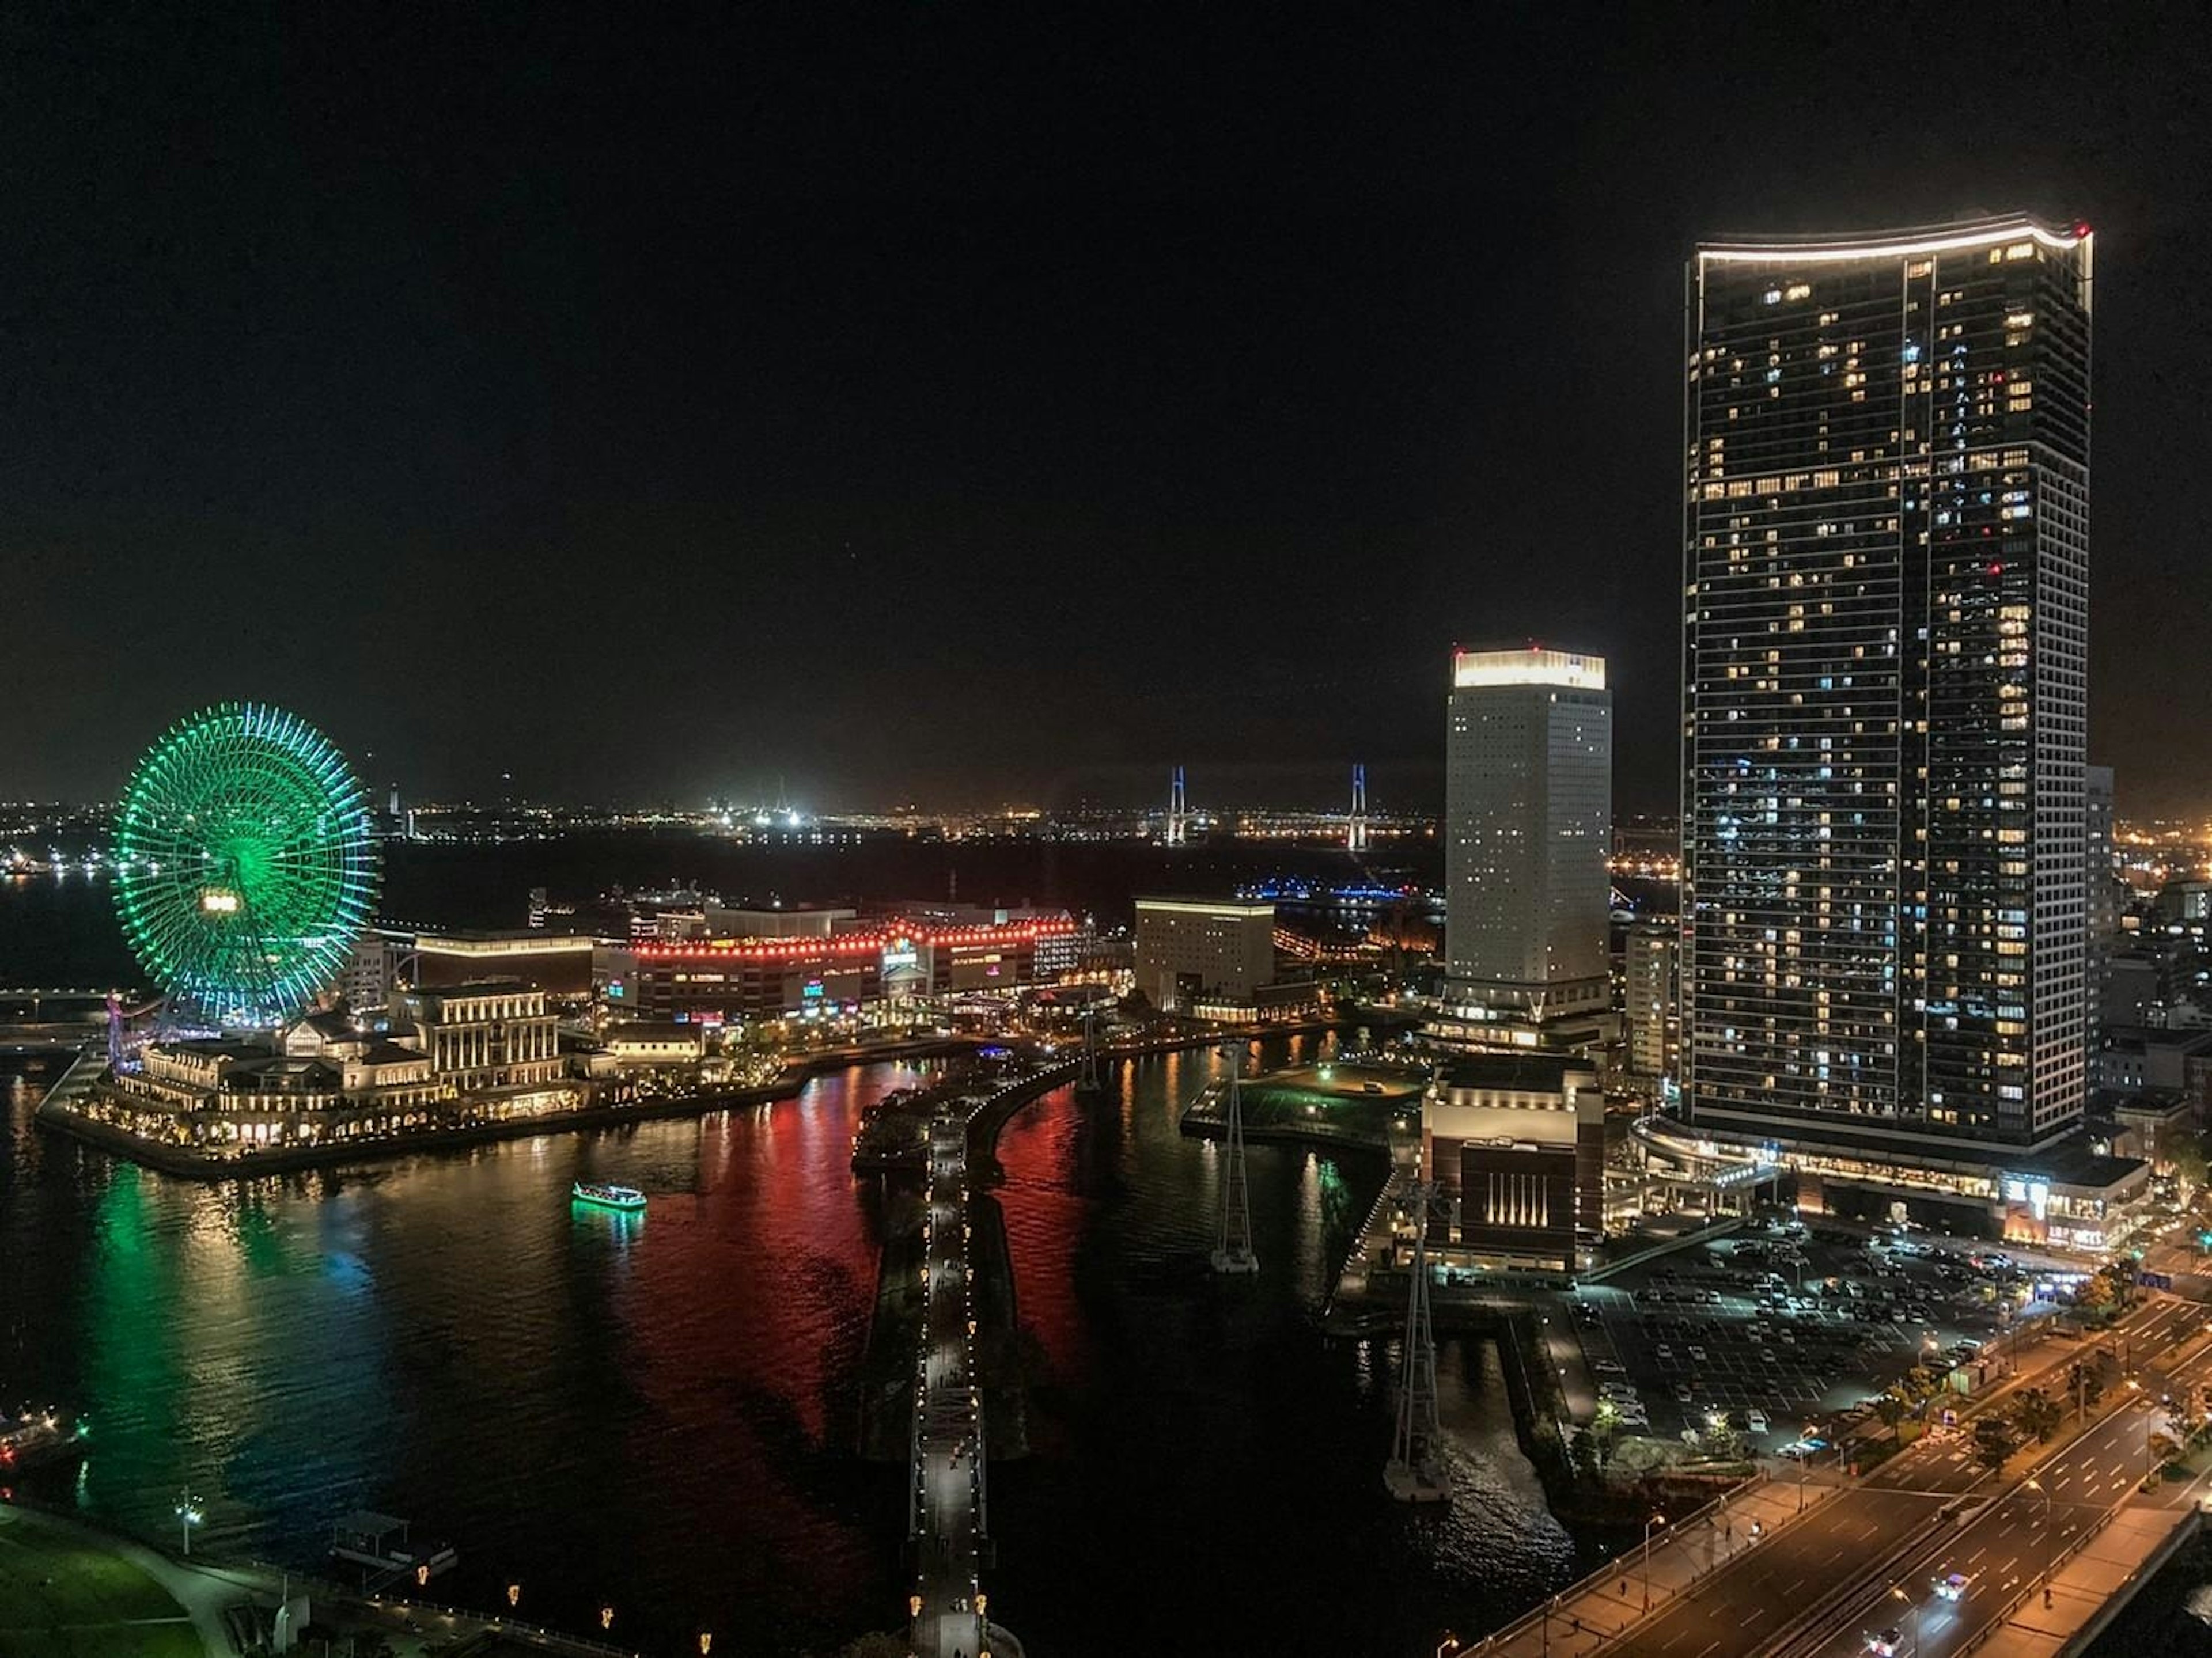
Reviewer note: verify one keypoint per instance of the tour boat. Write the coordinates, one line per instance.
(608, 1197)
(32, 1436)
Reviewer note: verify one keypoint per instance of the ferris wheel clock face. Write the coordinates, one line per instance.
(246, 864)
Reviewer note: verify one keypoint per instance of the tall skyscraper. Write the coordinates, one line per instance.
(1886, 608)
(1529, 821)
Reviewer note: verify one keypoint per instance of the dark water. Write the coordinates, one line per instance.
(2160, 1619)
(661, 1411)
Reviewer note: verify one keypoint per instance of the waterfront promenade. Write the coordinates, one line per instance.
(947, 1519)
(68, 1589)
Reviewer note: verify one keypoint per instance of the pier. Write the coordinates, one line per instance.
(947, 1516)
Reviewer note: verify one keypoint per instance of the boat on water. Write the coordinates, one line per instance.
(29, 1437)
(607, 1197)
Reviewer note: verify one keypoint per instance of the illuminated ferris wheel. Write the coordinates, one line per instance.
(246, 864)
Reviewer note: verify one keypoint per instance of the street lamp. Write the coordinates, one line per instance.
(1655, 1520)
(188, 1516)
(1448, 1645)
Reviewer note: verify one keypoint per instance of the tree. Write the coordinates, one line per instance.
(2186, 1151)
(1993, 1441)
(2094, 1292)
(1891, 1407)
(2038, 1414)
(2120, 1273)
(2084, 1383)
(1919, 1385)
(2163, 1448)
(1583, 1455)
(1723, 1443)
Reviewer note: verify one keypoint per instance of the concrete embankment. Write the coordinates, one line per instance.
(894, 1328)
(190, 1164)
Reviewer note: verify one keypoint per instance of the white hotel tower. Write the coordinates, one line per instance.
(1528, 823)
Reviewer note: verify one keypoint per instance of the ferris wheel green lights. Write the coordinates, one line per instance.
(245, 863)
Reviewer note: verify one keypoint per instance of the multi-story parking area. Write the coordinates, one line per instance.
(1799, 1325)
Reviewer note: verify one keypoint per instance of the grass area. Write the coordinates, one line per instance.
(64, 1597)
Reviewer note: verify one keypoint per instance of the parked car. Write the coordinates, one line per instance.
(1757, 1420)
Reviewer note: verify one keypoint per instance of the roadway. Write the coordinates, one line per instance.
(948, 1458)
(2020, 1535)
(1753, 1591)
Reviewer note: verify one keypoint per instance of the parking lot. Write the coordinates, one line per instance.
(1724, 1326)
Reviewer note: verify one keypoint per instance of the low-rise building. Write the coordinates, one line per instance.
(2138, 1058)
(1517, 1142)
(493, 1035)
(1194, 951)
(882, 965)
(647, 1042)
(558, 963)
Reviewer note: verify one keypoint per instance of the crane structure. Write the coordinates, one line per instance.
(1232, 1250)
(1415, 1471)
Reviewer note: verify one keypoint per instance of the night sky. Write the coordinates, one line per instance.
(973, 405)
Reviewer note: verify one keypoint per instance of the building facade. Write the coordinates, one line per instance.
(495, 1035)
(557, 962)
(1885, 525)
(734, 980)
(2101, 906)
(1517, 1141)
(1650, 994)
(1195, 951)
(1528, 822)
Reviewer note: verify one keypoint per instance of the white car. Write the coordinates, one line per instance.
(1757, 1420)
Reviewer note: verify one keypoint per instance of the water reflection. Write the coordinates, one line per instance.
(661, 1409)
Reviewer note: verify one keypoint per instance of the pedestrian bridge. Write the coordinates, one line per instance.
(946, 1491)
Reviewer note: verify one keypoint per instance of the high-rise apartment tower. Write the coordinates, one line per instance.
(1885, 609)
